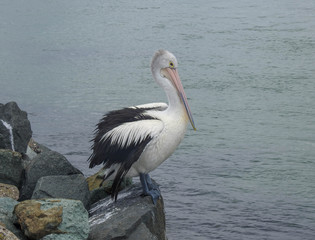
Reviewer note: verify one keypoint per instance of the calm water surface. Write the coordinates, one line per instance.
(248, 71)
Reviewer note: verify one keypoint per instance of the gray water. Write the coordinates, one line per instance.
(248, 71)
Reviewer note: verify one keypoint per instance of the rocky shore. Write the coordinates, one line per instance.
(42, 196)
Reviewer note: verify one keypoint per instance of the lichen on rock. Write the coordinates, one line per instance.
(36, 222)
(43, 217)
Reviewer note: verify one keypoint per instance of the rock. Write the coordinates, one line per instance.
(59, 237)
(5, 234)
(34, 146)
(33, 149)
(94, 181)
(131, 217)
(11, 167)
(98, 194)
(64, 217)
(46, 163)
(36, 222)
(11, 116)
(67, 186)
(99, 191)
(6, 209)
(142, 231)
(10, 191)
(6, 216)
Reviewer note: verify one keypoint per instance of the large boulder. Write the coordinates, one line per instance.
(6, 216)
(42, 218)
(66, 186)
(46, 163)
(15, 128)
(11, 167)
(132, 217)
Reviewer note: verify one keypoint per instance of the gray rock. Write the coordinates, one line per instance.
(12, 115)
(98, 194)
(11, 167)
(46, 163)
(60, 237)
(30, 153)
(142, 231)
(66, 186)
(131, 217)
(5, 142)
(6, 217)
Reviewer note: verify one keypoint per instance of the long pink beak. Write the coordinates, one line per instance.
(172, 72)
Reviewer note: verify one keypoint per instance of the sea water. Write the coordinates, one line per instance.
(247, 67)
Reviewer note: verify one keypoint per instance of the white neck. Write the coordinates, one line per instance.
(174, 101)
(175, 104)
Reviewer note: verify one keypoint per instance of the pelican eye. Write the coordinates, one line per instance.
(171, 64)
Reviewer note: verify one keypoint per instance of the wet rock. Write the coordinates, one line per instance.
(74, 218)
(67, 186)
(10, 191)
(46, 163)
(11, 116)
(6, 234)
(6, 216)
(131, 217)
(11, 167)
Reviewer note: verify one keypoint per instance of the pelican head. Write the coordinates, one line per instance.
(164, 69)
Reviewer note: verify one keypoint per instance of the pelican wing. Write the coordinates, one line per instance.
(158, 106)
(121, 137)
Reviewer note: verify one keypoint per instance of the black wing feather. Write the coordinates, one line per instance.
(107, 153)
(132, 157)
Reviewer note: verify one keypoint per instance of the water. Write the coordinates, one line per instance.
(248, 71)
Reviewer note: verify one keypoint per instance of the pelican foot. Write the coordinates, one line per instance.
(154, 194)
(149, 188)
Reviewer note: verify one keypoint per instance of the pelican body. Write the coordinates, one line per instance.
(134, 141)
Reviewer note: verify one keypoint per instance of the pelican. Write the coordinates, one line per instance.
(134, 141)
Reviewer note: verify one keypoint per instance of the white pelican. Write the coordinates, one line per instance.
(134, 141)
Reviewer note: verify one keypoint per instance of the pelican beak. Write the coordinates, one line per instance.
(172, 75)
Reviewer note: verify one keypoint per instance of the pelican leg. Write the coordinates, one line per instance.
(148, 189)
(151, 185)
